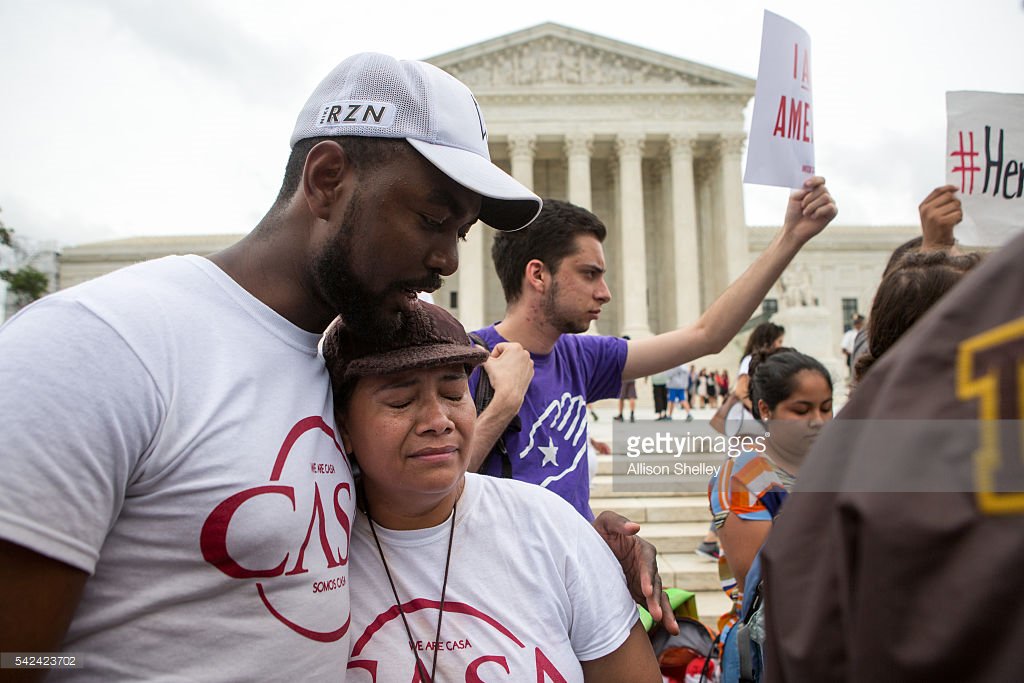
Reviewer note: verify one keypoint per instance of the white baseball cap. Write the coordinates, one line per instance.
(374, 95)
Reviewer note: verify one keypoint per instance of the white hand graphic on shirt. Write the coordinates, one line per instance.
(567, 417)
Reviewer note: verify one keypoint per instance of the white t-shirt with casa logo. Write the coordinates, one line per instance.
(532, 591)
(173, 436)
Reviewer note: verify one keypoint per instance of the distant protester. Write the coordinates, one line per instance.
(677, 381)
(765, 336)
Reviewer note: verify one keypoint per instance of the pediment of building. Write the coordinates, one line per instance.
(140, 248)
(551, 56)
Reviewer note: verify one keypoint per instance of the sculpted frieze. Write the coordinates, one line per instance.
(556, 61)
(697, 110)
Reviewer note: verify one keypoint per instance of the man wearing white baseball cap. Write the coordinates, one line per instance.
(175, 503)
(374, 95)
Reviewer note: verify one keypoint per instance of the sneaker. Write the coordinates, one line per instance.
(617, 418)
(632, 418)
(689, 417)
(708, 550)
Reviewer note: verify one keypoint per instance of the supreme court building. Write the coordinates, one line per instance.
(649, 142)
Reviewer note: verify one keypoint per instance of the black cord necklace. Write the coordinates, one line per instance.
(420, 666)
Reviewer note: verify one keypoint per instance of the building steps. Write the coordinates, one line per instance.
(674, 521)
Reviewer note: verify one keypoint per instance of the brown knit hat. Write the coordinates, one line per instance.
(428, 337)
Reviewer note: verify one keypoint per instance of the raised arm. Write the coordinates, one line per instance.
(809, 210)
(510, 370)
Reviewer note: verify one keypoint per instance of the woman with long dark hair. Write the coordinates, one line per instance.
(791, 393)
(910, 287)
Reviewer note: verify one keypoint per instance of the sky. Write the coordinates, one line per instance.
(127, 118)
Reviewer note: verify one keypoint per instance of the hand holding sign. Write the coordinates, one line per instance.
(781, 150)
(985, 154)
(810, 209)
(940, 213)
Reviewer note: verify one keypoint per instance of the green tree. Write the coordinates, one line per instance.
(25, 283)
(6, 236)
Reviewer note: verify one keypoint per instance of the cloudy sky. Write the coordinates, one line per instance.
(121, 118)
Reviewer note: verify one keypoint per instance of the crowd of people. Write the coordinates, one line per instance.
(801, 605)
(688, 388)
(278, 462)
(706, 388)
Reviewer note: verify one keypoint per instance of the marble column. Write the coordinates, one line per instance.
(472, 258)
(578, 149)
(520, 151)
(705, 170)
(686, 262)
(633, 260)
(662, 287)
(730, 149)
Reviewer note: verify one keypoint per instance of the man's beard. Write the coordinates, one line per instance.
(563, 324)
(338, 284)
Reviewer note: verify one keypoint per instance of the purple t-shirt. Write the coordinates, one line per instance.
(551, 449)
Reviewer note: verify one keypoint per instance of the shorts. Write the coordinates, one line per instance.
(628, 389)
(675, 395)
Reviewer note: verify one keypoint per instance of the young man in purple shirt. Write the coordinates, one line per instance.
(542, 370)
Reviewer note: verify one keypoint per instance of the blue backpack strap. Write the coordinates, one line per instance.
(752, 589)
(772, 499)
(748, 671)
(741, 656)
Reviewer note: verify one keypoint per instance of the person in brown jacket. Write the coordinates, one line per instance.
(898, 554)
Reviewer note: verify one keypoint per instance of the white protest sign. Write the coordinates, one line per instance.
(781, 146)
(985, 159)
